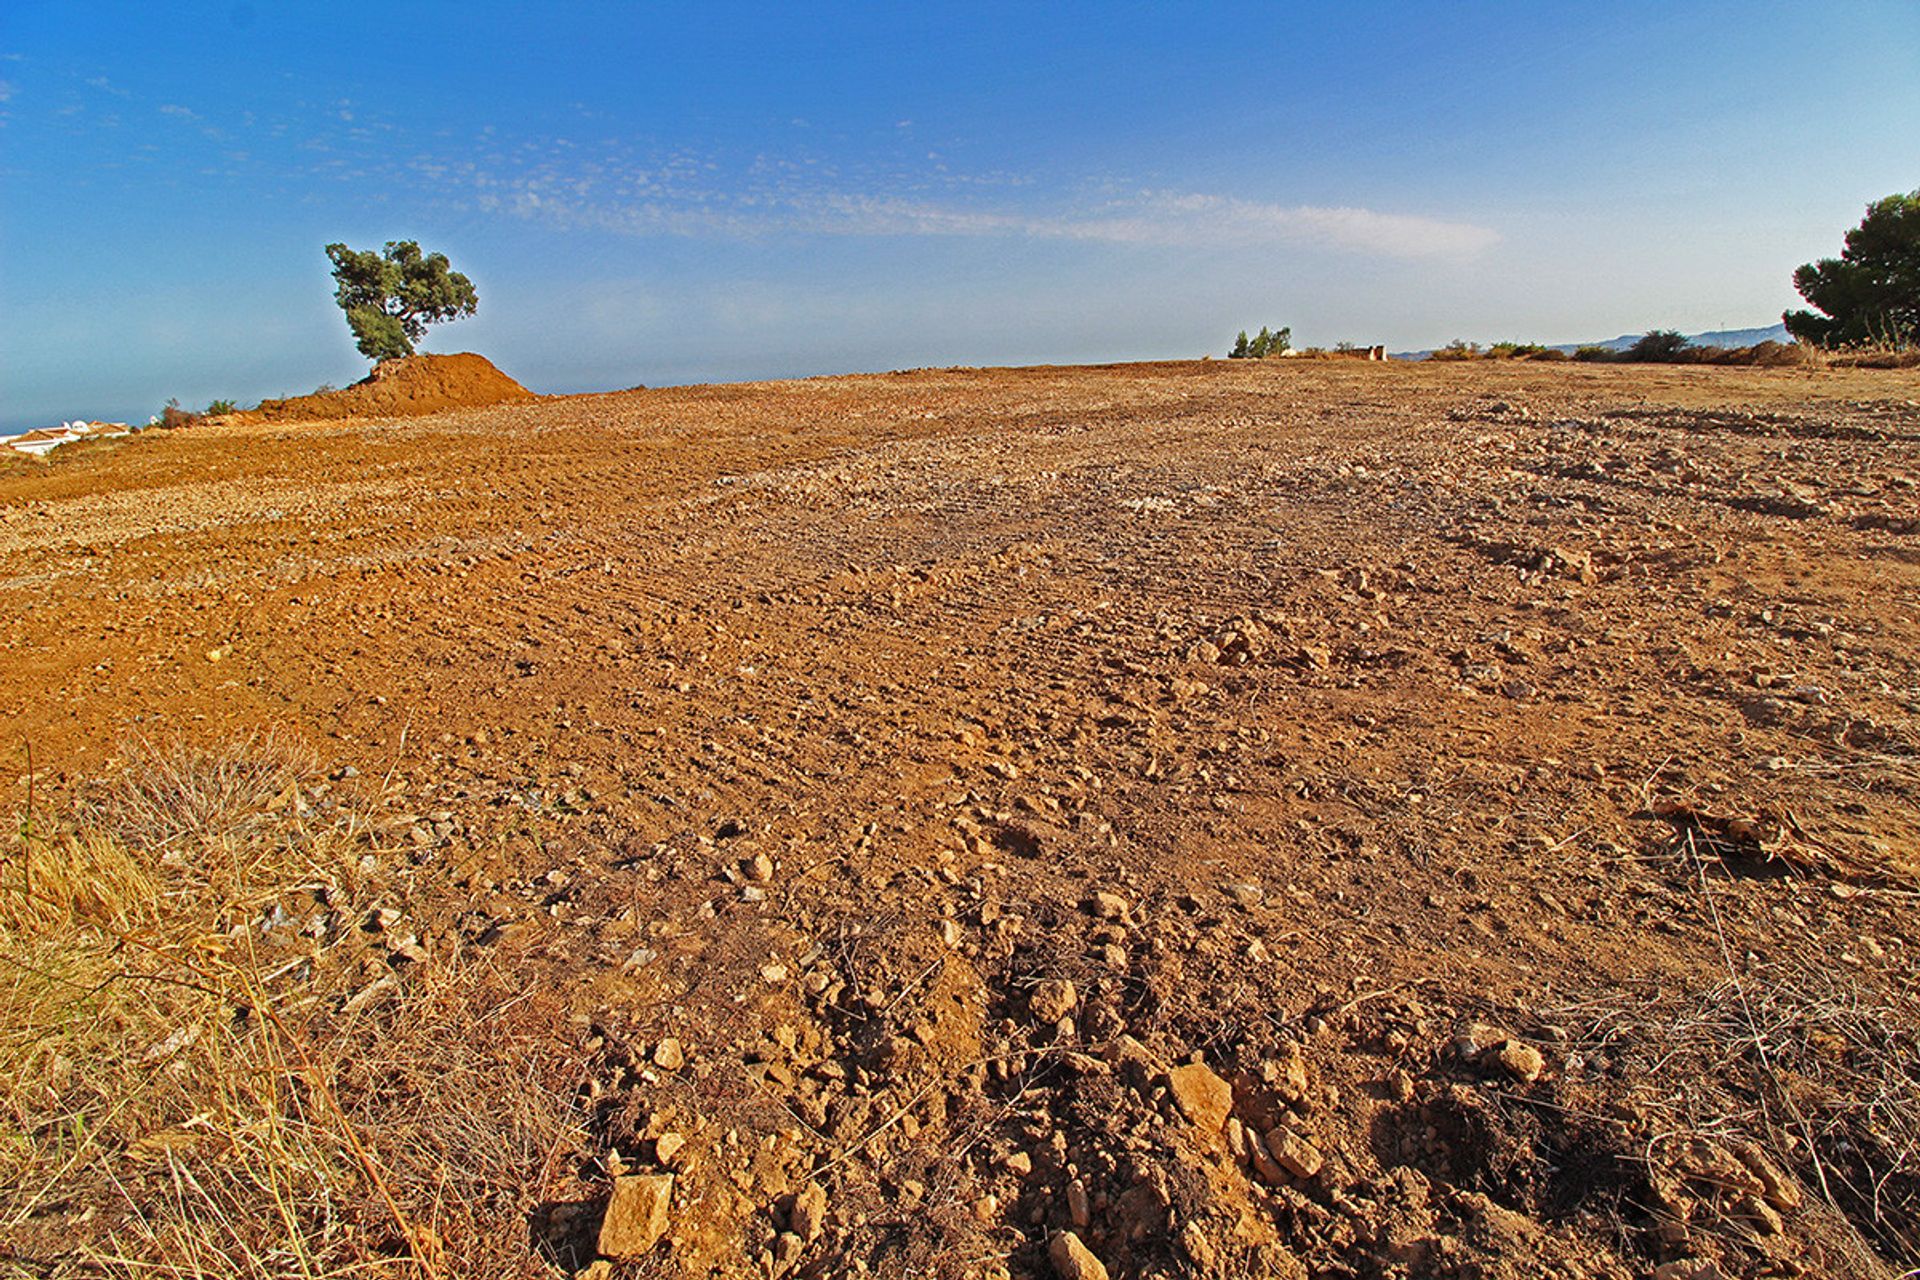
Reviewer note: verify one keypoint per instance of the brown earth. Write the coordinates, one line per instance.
(1504, 779)
(404, 388)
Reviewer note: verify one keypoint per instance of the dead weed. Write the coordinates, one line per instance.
(178, 1097)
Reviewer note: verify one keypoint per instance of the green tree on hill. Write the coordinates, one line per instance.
(1871, 292)
(390, 298)
(1261, 345)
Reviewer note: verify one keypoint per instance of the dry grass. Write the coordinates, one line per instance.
(1801, 1058)
(193, 1085)
(173, 796)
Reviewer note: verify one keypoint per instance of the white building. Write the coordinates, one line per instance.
(42, 440)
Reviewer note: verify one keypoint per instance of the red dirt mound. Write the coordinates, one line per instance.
(405, 388)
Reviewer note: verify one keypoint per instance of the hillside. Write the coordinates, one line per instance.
(1226, 819)
(1711, 338)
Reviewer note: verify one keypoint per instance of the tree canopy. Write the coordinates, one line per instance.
(1871, 292)
(1262, 345)
(390, 298)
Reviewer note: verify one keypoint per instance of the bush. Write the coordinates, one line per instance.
(220, 408)
(1458, 349)
(1772, 354)
(174, 416)
(1595, 355)
(1659, 346)
(1518, 350)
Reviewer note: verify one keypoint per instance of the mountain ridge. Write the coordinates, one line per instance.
(1709, 338)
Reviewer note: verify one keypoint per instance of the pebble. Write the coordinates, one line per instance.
(1294, 1153)
(1053, 1000)
(1108, 906)
(1288, 1075)
(1244, 892)
(1477, 1039)
(1072, 1260)
(636, 1215)
(1079, 1208)
(1194, 1240)
(1202, 1095)
(1521, 1061)
(809, 1216)
(668, 1055)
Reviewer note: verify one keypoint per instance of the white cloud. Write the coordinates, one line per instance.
(6, 91)
(1151, 218)
(1167, 218)
(614, 187)
(1176, 218)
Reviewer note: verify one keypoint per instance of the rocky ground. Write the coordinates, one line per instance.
(1204, 819)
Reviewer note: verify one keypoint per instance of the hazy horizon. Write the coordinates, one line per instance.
(677, 195)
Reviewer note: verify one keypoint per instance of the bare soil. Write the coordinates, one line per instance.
(1503, 779)
(408, 387)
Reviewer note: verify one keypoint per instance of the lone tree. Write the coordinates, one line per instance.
(390, 298)
(1871, 292)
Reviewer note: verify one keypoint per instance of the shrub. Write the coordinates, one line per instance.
(1521, 351)
(219, 408)
(1595, 354)
(174, 416)
(1458, 349)
(1658, 346)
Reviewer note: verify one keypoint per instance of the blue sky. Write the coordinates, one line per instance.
(655, 193)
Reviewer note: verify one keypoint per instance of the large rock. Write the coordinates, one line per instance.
(636, 1215)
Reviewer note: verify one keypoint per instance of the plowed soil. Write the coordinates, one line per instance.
(1503, 779)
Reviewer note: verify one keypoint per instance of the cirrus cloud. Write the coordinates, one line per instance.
(1167, 218)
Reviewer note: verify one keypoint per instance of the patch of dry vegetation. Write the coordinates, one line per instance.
(194, 1079)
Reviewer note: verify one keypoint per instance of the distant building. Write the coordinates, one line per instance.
(43, 440)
